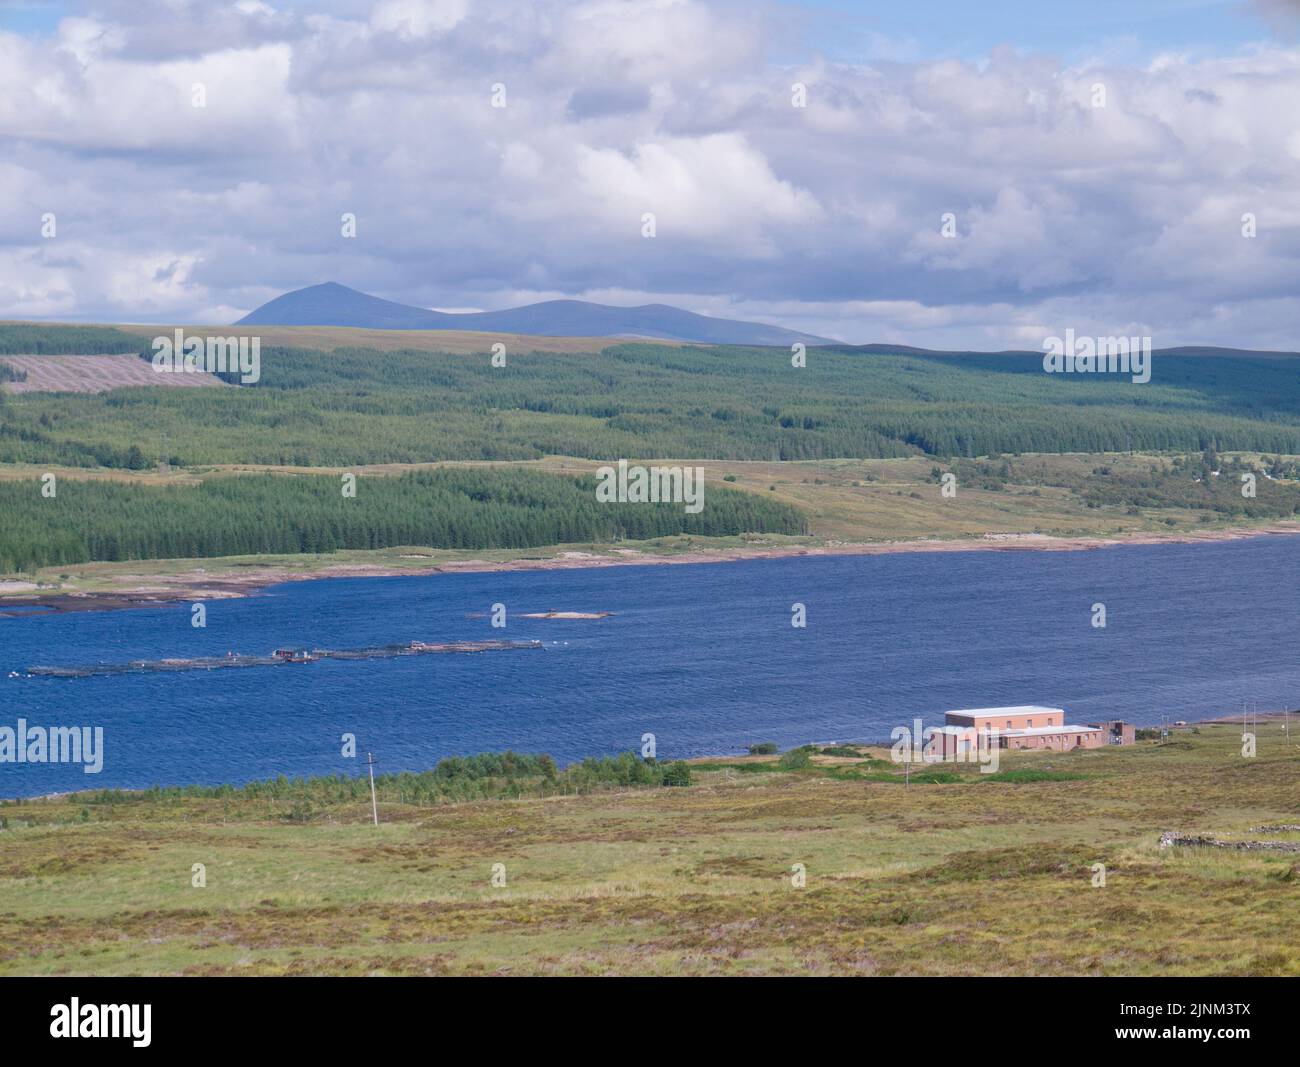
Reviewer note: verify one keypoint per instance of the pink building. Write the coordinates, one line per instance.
(1020, 726)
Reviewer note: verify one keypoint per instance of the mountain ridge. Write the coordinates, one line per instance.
(332, 304)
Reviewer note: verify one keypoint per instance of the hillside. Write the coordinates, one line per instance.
(886, 505)
(607, 871)
(856, 442)
(332, 304)
(362, 405)
(1212, 351)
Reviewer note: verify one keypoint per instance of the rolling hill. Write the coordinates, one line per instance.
(332, 304)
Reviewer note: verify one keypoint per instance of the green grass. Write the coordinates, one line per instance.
(1031, 774)
(981, 874)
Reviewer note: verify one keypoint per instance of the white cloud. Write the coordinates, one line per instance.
(716, 187)
(418, 18)
(825, 217)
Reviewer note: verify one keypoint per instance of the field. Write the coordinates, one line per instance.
(22, 337)
(95, 374)
(956, 873)
(326, 338)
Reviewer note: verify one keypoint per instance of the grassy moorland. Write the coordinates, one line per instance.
(956, 873)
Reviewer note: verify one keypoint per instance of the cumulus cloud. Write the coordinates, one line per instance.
(418, 18)
(715, 188)
(1108, 195)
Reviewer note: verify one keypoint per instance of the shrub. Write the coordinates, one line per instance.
(763, 748)
(937, 777)
(797, 759)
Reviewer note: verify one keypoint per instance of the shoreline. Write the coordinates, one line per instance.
(1261, 717)
(195, 584)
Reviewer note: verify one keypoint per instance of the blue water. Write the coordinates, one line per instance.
(702, 656)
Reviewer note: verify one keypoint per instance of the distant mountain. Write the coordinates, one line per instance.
(332, 304)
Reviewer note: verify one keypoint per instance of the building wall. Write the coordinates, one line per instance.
(1060, 742)
(950, 745)
(1007, 721)
(1112, 731)
(1118, 732)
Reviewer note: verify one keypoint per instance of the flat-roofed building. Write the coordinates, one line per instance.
(1018, 726)
(1016, 717)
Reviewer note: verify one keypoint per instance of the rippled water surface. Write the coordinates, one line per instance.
(702, 656)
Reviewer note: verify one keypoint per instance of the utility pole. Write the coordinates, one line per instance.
(374, 804)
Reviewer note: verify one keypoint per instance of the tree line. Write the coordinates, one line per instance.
(287, 514)
(38, 339)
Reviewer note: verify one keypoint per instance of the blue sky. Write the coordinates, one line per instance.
(30, 16)
(1111, 167)
(969, 29)
(853, 30)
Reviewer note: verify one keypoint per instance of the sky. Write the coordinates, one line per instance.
(943, 174)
